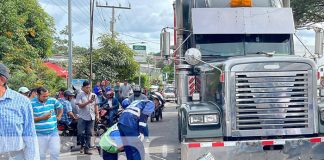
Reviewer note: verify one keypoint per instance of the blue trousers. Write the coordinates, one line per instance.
(109, 156)
(85, 132)
(134, 148)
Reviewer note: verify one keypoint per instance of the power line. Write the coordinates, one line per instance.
(113, 20)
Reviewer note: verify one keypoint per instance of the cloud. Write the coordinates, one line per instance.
(142, 23)
(144, 20)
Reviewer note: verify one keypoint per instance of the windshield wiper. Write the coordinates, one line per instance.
(211, 55)
(269, 54)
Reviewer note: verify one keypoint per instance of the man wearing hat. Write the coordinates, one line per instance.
(68, 118)
(17, 129)
(24, 91)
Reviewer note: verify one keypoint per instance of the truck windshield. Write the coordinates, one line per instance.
(239, 45)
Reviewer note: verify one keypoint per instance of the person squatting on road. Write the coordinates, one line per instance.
(111, 143)
(131, 125)
(18, 140)
(47, 111)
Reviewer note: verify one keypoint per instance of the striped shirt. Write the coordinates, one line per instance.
(40, 109)
(17, 128)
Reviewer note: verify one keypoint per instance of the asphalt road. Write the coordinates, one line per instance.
(163, 143)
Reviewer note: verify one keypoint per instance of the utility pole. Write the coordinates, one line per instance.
(70, 45)
(91, 38)
(113, 20)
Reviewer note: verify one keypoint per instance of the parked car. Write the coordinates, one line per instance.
(168, 94)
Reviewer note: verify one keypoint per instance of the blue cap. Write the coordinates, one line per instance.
(125, 103)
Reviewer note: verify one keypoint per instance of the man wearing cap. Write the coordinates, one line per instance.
(88, 113)
(131, 125)
(68, 118)
(24, 91)
(18, 138)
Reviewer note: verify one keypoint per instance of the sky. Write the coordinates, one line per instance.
(140, 25)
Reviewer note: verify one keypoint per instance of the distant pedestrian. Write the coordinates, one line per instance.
(47, 111)
(108, 86)
(96, 88)
(24, 91)
(116, 90)
(68, 118)
(32, 93)
(16, 119)
(88, 113)
(125, 90)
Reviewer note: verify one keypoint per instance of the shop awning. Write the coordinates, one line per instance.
(61, 72)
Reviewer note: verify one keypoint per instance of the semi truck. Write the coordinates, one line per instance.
(241, 91)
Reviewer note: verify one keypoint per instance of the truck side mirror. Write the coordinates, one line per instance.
(193, 56)
(165, 43)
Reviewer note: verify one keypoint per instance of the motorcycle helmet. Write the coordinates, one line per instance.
(125, 103)
(110, 94)
(137, 90)
(68, 93)
(159, 97)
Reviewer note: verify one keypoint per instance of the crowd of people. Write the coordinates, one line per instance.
(30, 119)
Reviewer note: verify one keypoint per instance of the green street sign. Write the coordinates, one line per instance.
(139, 47)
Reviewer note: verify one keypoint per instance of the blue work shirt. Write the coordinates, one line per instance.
(17, 128)
(67, 107)
(136, 114)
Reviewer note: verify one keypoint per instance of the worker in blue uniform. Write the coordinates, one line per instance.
(131, 126)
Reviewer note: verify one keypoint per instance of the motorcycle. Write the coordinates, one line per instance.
(102, 126)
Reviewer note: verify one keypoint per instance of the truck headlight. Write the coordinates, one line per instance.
(212, 118)
(196, 119)
(204, 119)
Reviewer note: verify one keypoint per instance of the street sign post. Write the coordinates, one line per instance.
(77, 83)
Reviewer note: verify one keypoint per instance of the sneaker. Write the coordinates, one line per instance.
(81, 149)
(86, 151)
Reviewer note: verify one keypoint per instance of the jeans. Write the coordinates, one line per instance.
(111, 115)
(109, 156)
(49, 142)
(85, 132)
(133, 146)
(146, 131)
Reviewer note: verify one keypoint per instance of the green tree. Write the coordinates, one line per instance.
(308, 12)
(114, 60)
(25, 39)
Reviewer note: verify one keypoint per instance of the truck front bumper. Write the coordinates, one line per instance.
(277, 149)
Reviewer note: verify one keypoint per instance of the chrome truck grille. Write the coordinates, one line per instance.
(271, 100)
